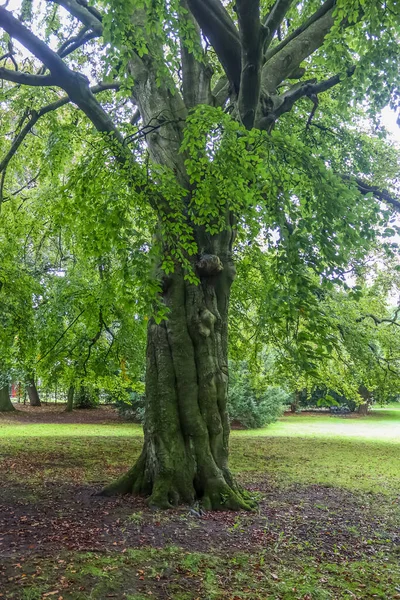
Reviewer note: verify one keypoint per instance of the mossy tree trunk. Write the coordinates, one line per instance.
(5, 401)
(33, 393)
(185, 452)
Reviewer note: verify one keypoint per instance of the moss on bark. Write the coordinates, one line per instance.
(185, 453)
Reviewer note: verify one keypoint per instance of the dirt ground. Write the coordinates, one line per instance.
(55, 413)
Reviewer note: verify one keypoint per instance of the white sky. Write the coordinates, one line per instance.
(389, 118)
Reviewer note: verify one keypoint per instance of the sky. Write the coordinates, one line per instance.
(389, 118)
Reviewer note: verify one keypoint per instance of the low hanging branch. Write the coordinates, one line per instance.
(62, 335)
(36, 115)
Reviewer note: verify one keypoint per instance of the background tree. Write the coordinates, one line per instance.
(207, 146)
(344, 346)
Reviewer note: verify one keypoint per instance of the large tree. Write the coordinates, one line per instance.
(214, 140)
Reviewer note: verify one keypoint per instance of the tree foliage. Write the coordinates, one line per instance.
(148, 147)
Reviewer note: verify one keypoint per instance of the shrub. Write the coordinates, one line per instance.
(253, 405)
(131, 408)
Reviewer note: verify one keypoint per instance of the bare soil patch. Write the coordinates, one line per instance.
(56, 413)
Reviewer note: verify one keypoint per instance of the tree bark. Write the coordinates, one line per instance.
(70, 399)
(363, 409)
(294, 406)
(366, 395)
(33, 394)
(5, 402)
(186, 429)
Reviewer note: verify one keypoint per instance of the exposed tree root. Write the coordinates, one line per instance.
(220, 493)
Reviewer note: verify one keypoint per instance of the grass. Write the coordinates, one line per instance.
(353, 453)
(207, 576)
(382, 425)
(347, 473)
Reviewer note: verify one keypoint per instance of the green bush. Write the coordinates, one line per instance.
(86, 398)
(131, 408)
(251, 404)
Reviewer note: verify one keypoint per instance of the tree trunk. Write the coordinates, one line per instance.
(70, 399)
(5, 402)
(366, 395)
(185, 452)
(296, 402)
(33, 394)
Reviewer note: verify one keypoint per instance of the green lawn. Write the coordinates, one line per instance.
(327, 527)
(383, 424)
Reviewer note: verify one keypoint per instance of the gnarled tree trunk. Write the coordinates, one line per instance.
(5, 402)
(185, 453)
(33, 394)
(186, 430)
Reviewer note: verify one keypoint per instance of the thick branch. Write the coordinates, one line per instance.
(75, 84)
(328, 5)
(81, 12)
(26, 78)
(32, 43)
(220, 30)
(309, 89)
(196, 75)
(283, 63)
(251, 44)
(274, 19)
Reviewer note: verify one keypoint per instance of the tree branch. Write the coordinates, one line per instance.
(85, 14)
(35, 116)
(274, 20)
(382, 195)
(62, 335)
(75, 84)
(378, 321)
(278, 67)
(26, 78)
(196, 75)
(76, 42)
(251, 53)
(328, 5)
(220, 30)
(309, 89)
